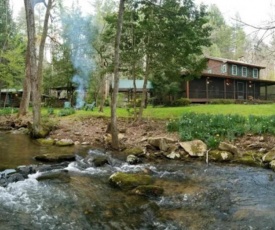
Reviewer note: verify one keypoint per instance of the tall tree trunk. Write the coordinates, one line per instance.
(114, 130)
(102, 93)
(42, 43)
(144, 89)
(35, 89)
(25, 101)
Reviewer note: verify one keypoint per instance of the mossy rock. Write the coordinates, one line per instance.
(64, 142)
(148, 190)
(221, 156)
(270, 156)
(46, 141)
(250, 159)
(137, 151)
(100, 161)
(128, 181)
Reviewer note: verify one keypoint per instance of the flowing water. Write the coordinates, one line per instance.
(197, 196)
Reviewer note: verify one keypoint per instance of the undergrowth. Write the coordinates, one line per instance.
(212, 129)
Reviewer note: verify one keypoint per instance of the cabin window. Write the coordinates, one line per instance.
(223, 68)
(234, 70)
(244, 71)
(255, 73)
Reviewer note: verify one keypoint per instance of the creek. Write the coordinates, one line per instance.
(196, 195)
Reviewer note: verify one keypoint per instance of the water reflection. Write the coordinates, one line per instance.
(19, 149)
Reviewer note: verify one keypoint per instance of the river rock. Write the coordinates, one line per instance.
(26, 170)
(137, 151)
(148, 190)
(99, 161)
(250, 158)
(228, 147)
(55, 175)
(15, 178)
(218, 155)
(7, 172)
(270, 156)
(132, 160)
(64, 142)
(161, 143)
(45, 141)
(128, 181)
(55, 158)
(195, 148)
(272, 165)
(173, 155)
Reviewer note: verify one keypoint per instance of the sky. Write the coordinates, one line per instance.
(255, 12)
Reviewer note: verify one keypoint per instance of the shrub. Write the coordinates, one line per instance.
(66, 112)
(8, 111)
(181, 102)
(214, 128)
(222, 101)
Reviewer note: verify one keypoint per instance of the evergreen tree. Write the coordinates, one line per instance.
(12, 49)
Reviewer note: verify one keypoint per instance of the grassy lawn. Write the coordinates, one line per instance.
(176, 112)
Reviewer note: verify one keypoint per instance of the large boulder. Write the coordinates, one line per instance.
(128, 181)
(195, 148)
(161, 143)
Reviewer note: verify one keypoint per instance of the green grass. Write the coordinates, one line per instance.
(176, 112)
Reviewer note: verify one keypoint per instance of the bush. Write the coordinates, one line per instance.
(222, 101)
(181, 102)
(215, 128)
(66, 112)
(8, 111)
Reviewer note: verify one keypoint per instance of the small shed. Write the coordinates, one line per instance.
(10, 97)
(126, 86)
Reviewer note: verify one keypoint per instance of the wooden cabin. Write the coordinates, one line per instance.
(228, 79)
(10, 97)
(126, 87)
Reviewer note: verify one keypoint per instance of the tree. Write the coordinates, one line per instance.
(228, 41)
(34, 70)
(114, 130)
(11, 50)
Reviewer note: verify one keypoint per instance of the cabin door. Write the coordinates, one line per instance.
(240, 90)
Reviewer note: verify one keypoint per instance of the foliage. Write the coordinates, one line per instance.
(228, 41)
(181, 102)
(8, 111)
(218, 127)
(222, 101)
(12, 48)
(66, 112)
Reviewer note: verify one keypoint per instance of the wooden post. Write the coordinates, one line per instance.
(234, 89)
(187, 90)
